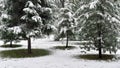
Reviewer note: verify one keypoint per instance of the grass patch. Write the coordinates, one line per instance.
(22, 53)
(64, 47)
(8, 46)
(95, 57)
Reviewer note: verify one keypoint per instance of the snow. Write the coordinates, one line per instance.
(63, 29)
(87, 15)
(39, 1)
(69, 14)
(58, 58)
(4, 16)
(24, 17)
(37, 18)
(49, 10)
(39, 6)
(29, 10)
(53, 27)
(93, 4)
(15, 29)
(82, 7)
(114, 19)
(29, 4)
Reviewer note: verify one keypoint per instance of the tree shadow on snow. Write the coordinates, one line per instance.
(22, 53)
(105, 57)
(8, 46)
(63, 47)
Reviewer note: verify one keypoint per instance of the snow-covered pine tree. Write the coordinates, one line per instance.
(37, 20)
(1, 10)
(99, 24)
(14, 9)
(32, 22)
(10, 34)
(46, 14)
(10, 18)
(67, 22)
(13, 5)
(7, 34)
(1, 7)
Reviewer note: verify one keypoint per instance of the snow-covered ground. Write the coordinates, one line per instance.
(58, 58)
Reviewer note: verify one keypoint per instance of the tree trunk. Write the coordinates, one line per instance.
(29, 45)
(62, 2)
(99, 41)
(10, 43)
(67, 41)
(100, 48)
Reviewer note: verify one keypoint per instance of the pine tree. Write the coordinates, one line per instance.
(31, 22)
(14, 9)
(67, 22)
(99, 24)
(36, 20)
(10, 34)
(7, 34)
(28, 18)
